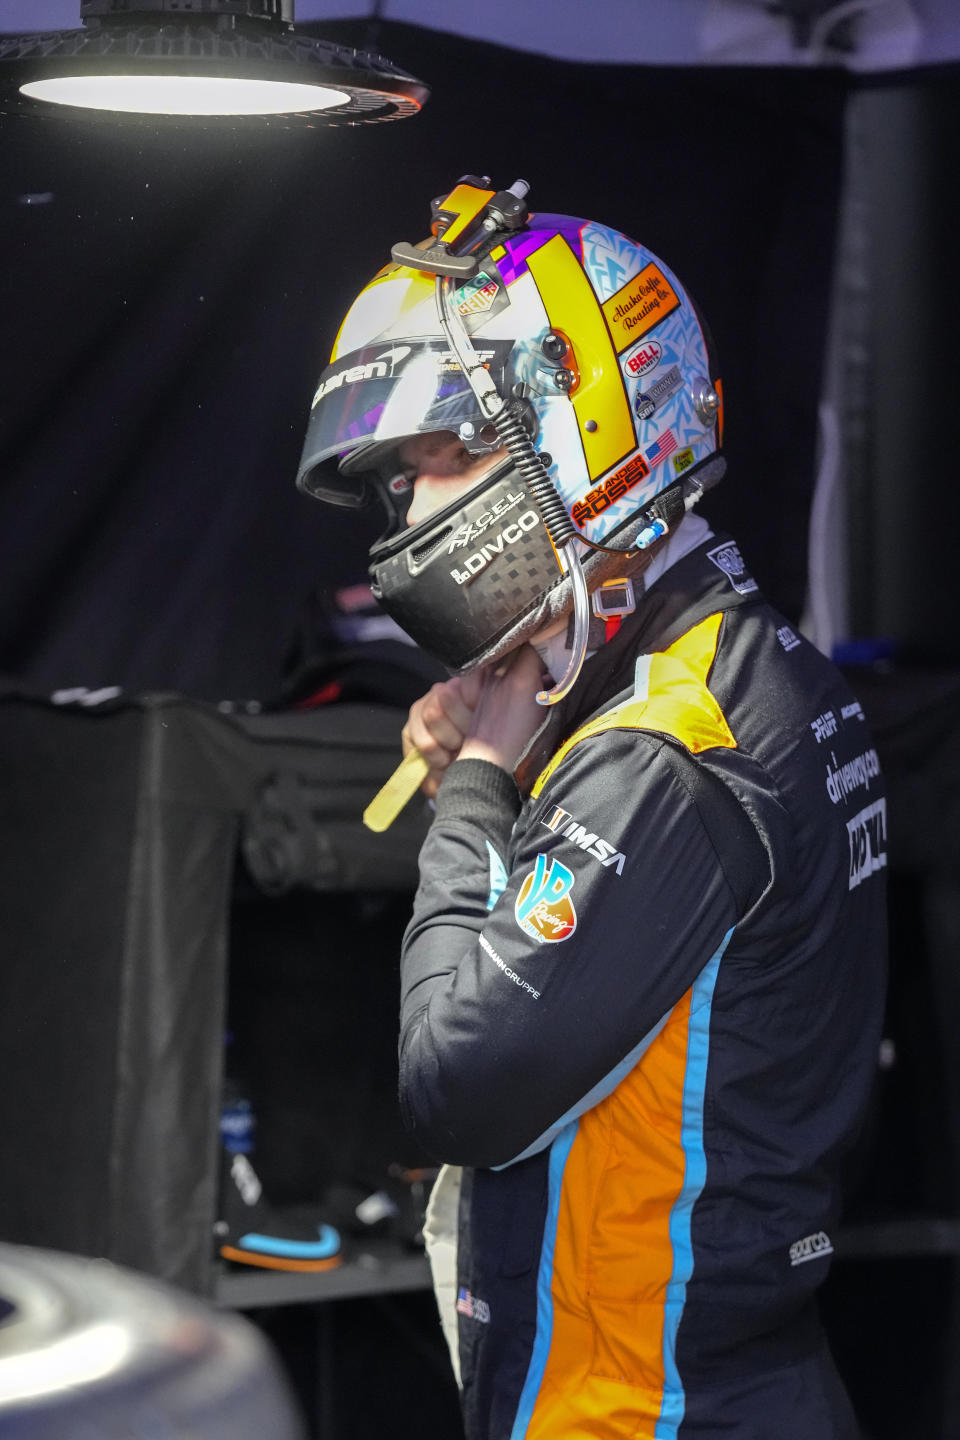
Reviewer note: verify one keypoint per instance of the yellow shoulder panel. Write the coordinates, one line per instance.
(677, 700)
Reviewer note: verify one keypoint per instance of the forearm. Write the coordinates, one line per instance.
(462, 865)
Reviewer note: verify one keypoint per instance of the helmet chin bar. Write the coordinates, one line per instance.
(509, 427)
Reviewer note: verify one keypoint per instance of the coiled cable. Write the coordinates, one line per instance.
(509, 427)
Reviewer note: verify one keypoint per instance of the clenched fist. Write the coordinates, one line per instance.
(489, 714)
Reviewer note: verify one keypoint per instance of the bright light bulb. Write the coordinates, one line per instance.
(184, 94)
(93, 1353)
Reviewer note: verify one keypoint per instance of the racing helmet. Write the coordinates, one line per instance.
(559, 338)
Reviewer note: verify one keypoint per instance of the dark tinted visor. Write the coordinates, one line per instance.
(383, 393)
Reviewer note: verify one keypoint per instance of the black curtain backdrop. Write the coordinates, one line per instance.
(170, 293)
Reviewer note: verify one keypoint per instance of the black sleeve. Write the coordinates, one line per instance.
(517, 1010)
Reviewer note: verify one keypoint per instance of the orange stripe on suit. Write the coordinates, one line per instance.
(613, 1258)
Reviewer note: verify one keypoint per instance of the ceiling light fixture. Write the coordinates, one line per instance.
(201, 58)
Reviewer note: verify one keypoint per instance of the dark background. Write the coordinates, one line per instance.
(168, 308)
(169, 295)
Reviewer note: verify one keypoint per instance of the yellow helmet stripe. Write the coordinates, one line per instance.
(572, 307)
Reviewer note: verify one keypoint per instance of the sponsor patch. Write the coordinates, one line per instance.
(867, 833)
(811, 1247)
(376, 363)
(644, 404)
(388, 362)
(543, 908)
(661, 448)
(511, 534)
(561, 822)
(853, 711)
(855, 774)
(604, 495)
(477, 295)
(728, 559)
(682, 461)
(639, 305)
(824, 726)
(788, 638)
(501, 964)
(667, 383)
(448, 364)
(472, 1307)
(643, 358)
(470, 533)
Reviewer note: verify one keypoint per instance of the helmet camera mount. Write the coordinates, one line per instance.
(464, 221)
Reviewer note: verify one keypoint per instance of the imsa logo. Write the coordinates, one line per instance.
(562, 823)
(867, 834)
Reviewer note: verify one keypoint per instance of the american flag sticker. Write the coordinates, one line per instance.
(472, 1307)
(661, 448)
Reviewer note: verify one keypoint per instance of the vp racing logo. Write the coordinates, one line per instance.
(543, 908)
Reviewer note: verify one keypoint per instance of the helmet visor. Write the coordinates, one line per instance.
(383, 393)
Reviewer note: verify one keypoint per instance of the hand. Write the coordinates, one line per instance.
(438, 724)
(506, 715)
(489, 714)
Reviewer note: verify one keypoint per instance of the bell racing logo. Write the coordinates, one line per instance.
(543, 908)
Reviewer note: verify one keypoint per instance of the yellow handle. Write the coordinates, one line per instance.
(399, 789)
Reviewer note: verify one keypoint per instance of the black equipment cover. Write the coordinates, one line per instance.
(121, 831)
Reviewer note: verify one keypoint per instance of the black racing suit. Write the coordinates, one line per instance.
(643, 1006)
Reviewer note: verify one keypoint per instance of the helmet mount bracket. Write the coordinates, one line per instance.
(463, 222)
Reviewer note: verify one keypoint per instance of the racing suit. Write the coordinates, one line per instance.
(642, 990)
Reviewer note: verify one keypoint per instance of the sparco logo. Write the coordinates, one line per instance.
(867, 833)
(377, 369)
(811, 1247)
(510, 535)
(562, 823)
